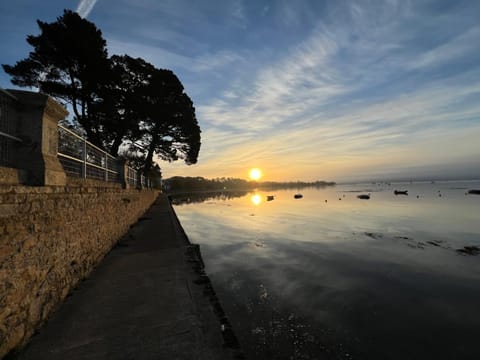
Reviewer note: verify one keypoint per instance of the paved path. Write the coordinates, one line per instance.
(141, 302)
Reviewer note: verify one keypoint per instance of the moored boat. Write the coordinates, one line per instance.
(364, 196)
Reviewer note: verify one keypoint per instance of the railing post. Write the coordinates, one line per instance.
(106, 167)
(139, 177)
(84, 158)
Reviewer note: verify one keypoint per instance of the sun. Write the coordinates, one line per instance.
(255, 174)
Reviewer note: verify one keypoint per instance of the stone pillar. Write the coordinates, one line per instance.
(38, 116)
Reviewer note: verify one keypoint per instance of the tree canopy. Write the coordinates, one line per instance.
(117, 100)
(177, 138)
(121, 105)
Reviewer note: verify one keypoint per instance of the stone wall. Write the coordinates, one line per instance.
(50, 239)
(11, 176)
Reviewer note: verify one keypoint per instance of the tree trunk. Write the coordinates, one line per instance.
(116, 144)
(149, 158)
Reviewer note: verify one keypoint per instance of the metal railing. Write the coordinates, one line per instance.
(132, 177)
(7, 129)
(80, 158)
(145, 182)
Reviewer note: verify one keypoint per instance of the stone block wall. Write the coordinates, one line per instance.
(50, 239)
(11, 176)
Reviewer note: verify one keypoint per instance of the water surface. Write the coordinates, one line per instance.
(330, 276)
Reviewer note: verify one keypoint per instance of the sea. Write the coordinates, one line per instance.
(333, 276)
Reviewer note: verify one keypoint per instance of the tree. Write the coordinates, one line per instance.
(170, 129)
(116, 100)
(155, 176)
(69, 61)
(148, 108)
(121, 107)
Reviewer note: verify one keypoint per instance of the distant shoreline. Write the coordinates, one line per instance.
(180, 184)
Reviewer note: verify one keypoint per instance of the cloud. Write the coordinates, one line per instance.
(215, 61)
(433, 124)
(85, 7)
(156, 55)
(362, 86)
(456, 48)
(238, 12)
(281, 90)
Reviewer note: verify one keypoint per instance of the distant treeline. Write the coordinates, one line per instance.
(178, 184)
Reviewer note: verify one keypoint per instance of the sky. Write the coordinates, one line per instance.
(304, 90)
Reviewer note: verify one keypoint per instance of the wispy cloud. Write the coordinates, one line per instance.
(156, 55)
(215, 61)
(456, 48)
(283, 90)
(85, 7)
(238, 12)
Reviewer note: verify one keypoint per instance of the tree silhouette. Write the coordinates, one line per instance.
(69, 61)
(116, 100)
(170, 130)
(121, 107)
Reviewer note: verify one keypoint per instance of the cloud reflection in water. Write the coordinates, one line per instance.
(319, 285)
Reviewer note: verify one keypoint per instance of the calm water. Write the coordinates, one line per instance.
(324, 278)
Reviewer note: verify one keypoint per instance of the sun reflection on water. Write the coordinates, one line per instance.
(256, 199)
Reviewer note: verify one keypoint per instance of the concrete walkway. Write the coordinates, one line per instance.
(144, 301)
